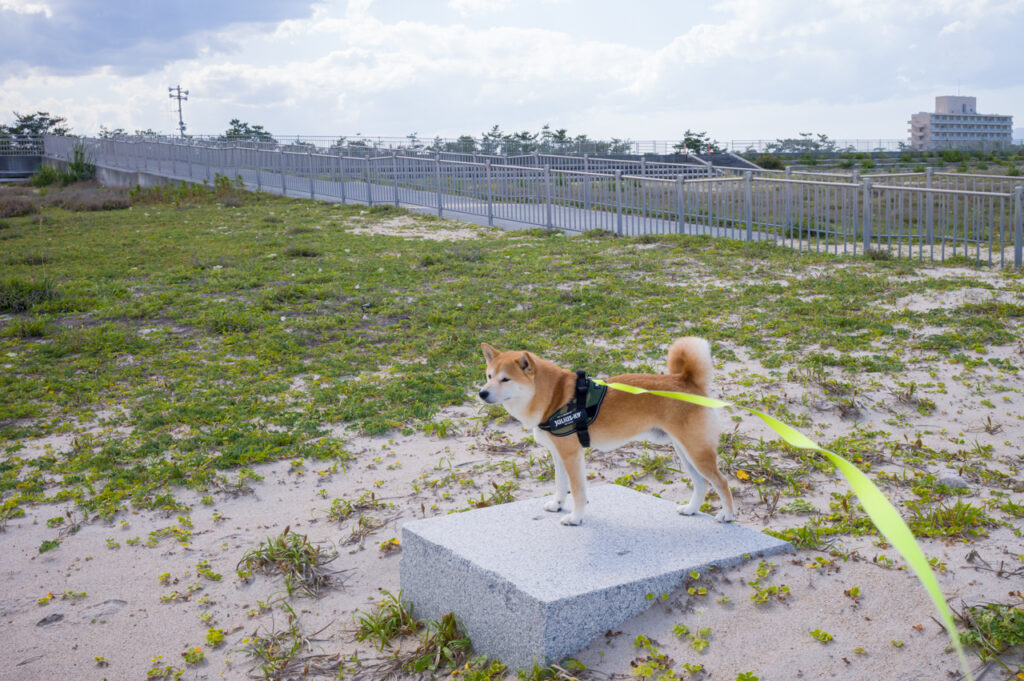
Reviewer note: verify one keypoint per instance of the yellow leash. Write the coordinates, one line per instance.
(882, 513)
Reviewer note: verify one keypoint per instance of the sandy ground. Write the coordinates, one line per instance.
(108, 600)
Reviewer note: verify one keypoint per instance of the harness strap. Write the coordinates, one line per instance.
(580, 412)
(582, 387)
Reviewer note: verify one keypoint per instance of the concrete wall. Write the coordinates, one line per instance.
(17, 166)
(117, 177)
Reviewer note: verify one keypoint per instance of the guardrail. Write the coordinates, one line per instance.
(836, 213)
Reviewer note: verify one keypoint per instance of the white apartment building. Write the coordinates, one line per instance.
(956, 124)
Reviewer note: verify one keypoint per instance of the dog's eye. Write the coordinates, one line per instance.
(488, 377)
(504, 380)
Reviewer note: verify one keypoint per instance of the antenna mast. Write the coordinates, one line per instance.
(179, 94)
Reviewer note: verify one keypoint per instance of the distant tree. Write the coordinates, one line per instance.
(414, 141)
(35, 125)
(523, 142)
(297, 146)
(806, 143)
(696, 143)
(241, 130)
(106, 133)
(491, 142)
(617, 146)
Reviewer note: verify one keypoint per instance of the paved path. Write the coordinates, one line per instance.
(506, 215)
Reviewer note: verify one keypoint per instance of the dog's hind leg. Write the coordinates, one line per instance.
(703, 468)
(699, 483)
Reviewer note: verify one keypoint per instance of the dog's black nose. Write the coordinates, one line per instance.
(484, 394)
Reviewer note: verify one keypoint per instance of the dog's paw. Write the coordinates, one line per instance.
(725, 517)
(572, 519)
(687, 510)
(554, 506)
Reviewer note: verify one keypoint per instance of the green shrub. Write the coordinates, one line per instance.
(45, 176)
(770, 162)
(952, 156)
(80, 168)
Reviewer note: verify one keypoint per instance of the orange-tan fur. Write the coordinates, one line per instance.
(531, 389)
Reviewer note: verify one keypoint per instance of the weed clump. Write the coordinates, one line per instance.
(993, 628)
(302, 252)
(17, 206)
(304, 565)
(89, 197)
(19, 295)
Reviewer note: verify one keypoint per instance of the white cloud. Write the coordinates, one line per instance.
(479, 6)
(25, 7)
(770, 66)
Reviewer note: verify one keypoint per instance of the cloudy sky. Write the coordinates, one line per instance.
(739, 69)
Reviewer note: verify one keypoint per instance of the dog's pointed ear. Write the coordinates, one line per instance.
(489, 352)
(526, 363)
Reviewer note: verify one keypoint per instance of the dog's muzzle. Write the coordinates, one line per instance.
(484, 394)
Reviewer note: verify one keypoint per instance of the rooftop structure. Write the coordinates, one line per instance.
(956, 124)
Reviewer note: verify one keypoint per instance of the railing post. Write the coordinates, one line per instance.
(789, 205)
(1018, 228)
(856, 175)
(748, 201)
(680, 201)
(490, 195)
(394, 175)
(586, 162)
(280, 165)
(929, 210)
(209, 170)
(547, 192)
(259, 171)
(309, 156)
(618, 201)
(711, 169)
(437, 183)
(341, 175)
(867, 216)
(369, 186)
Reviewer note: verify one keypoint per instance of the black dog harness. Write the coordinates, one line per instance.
(579, 413)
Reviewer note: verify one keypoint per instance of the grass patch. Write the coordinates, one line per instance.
(21, 295)
(195, 316)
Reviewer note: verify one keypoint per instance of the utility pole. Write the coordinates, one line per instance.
(179, 94)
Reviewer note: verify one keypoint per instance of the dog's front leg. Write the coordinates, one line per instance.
(573, 464)
(561, 484)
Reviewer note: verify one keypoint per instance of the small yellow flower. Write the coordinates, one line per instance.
(742, 475)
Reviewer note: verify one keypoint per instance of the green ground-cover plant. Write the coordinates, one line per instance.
(993, 628)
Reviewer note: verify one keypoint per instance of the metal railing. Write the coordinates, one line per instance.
(21, 146)
(836, 213)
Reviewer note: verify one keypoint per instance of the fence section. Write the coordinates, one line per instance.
(925, 216)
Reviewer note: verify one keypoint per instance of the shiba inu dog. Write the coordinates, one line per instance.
(536, 392)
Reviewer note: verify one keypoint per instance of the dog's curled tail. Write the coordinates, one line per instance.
(690, 358)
